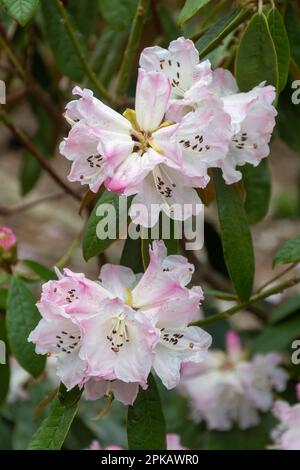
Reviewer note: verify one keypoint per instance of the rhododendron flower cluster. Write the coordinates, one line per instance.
(227, 388)
(287, 434)
(173, 443)
(188, 118)
(109, 334)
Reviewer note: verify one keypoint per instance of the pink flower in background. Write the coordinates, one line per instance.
(226, 388)
(287, 434)
(173, 443)
(7, 238)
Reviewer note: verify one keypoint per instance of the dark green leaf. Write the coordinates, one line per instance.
(257, 183)
(256, 59)
(92, 245)
(213, 37)
(30, 173)
(279, 336)
(54, 429)
(288, 119)
(6, 433)
(146, 427)
(60, 43)
(285, 309)
(170, 28)
(22, 318)
(292, 23)
(288, 253)
(281, 43)
(4, 367)
(84, 13)
(118, 13)
(42, 271)
(132, 255)
(69, 398)
(20, 10)
(236, 237)
(191, 7)
(3, 298)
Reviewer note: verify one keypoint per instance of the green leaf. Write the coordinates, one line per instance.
(278, 337)
(60, 43)
(236, 237)
(84, 13)
(292, 23)
(285, 309)
(132, 255)
(71, 397)
(171, 30)
(115, 210)
(42, 271)
(288, 120)
(54, 429)
(22, 318)
(118, 13)
(281, 43)
(288, 253)
(146, 427)
(213, 37)
(3, 298)
(30, 173)
(256, 59)
(20, 10)
(191, 7)
(257, 183)
(4, 368)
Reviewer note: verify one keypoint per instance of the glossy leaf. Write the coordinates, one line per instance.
(4, 368)
(146, 427)
(20, 10)
(256, 59)
(118, 13)
(236, 237)
(92, 245)
(214, 36)
(132, 255)
(288, 253)
(54, 429)
(281, 43)
(60, 43)
(292, 23)
(288, 120)
(191, 7)
(22, 318)
(257, 184)
(42, 271)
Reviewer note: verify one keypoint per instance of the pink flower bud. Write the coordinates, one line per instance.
(7, 238)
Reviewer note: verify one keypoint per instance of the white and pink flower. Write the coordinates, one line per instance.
(108, 335)
(286, 435)
(227, 388)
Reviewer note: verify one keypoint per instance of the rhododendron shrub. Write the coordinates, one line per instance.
(144, 128)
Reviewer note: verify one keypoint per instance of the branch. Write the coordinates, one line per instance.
(255, 298)
(85, 65)
(26, 142)
(132, 46)
(28, 205)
